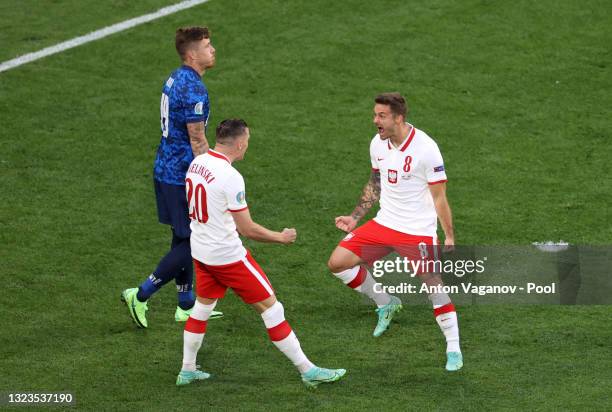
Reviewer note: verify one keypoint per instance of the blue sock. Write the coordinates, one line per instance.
(168, 268)
(152, 284)
(186, 300)
(148, 287)
(184, 283)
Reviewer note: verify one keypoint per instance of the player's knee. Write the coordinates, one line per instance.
(439, 299)
(274, 313)
(336, 265)
(178, 238)
(331, 264)
(202, 310)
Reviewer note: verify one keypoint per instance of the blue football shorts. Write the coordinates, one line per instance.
(172, 207)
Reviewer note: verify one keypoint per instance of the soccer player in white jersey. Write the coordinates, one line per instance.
(408, 178)
(217, 208)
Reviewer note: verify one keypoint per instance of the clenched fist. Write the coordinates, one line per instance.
(288, 236)
(346, 223)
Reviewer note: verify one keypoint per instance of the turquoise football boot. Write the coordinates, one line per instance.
(186, 377)
(316, 376)
(454, 361)
(385, 314)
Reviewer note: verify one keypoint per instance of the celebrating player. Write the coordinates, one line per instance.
(217, 207)
(184, 113)
(409, 179)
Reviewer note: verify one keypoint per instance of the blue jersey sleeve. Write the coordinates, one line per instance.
(196, 105)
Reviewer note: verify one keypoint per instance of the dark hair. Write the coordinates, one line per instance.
(229, 129)
(395, 101)
(187, 36)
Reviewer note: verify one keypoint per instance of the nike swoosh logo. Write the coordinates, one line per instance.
(133, 306)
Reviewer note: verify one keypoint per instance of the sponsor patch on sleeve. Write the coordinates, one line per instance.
(199, 108)
(439, 168)
(241, 198)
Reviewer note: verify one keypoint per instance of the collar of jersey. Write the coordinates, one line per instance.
(219, 155)
(185, 67)
(406, 142)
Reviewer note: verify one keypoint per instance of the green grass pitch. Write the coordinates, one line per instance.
(517, 95)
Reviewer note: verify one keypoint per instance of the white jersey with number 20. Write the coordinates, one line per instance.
(215, 190)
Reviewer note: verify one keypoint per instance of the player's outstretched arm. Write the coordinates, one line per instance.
(248, 228)
(443, 210)
(369, 196)
(197, 138)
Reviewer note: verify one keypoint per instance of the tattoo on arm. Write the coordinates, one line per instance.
(369, 196)
(197, 138)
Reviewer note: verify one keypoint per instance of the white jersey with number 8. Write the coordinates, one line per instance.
(406, 205)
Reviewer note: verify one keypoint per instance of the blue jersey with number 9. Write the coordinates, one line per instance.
(184, 100)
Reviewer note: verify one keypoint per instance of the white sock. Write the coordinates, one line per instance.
(283, 337)
(193, 335)
(290, 346)
(449, 326)
(359, 278)
(367, 288)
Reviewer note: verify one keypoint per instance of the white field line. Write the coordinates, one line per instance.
(98, 34)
